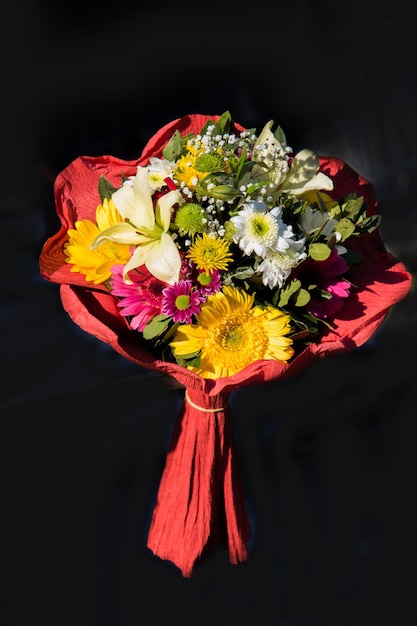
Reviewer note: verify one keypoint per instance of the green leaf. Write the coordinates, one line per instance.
(156, 326)
(319, 251)
(302, 298)
(224, 122)
(105, 188)
(353, 207)
(345, 227)
(192, 359)
(286, 293)
(280, 136)
(173, 148)
(369, 224)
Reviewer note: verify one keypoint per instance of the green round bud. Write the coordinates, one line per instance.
(189, 218)
(210, 162)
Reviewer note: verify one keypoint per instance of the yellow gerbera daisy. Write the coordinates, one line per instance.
(210, 253)
(96, 264)
(231, 333)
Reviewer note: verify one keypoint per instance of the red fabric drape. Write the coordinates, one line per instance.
(200, 500)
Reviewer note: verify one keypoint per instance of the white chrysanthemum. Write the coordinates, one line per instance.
(277, 266)
(158, 170)
(259, 229)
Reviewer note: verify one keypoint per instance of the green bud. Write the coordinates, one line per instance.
(224, 192)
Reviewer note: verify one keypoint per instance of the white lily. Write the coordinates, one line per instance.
(303, 174)
(300, 176)
(146, 228)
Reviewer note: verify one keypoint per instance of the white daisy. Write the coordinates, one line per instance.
(259, 229)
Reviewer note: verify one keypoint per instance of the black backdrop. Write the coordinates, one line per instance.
(327, 460)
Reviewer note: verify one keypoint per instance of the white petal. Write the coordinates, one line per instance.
(163, 260)
(303, 174)
(135, 203)
(120, 233)
(136, 260)
(163, 208)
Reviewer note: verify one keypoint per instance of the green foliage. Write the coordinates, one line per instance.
(280, 136)
(157, 326)
(173, 148)
(352, 218)
(319, 251)
(105, 188)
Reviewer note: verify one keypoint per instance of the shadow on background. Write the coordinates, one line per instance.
(327, 459)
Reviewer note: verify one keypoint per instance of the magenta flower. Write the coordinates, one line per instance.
(141, 300)
(327, 275)
(207, 284)
(181, 301)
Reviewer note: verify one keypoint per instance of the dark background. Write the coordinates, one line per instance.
(328, 459)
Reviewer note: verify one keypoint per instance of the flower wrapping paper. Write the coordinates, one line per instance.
(200, 502)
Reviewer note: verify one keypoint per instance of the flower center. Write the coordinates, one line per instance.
(182, 302)
(113, 251)
(230, 336)
(204, 279)
(264, 228)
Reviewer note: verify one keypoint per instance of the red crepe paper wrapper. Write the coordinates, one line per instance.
(200, 503)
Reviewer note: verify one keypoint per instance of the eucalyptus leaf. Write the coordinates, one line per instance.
(369, 224)
(301, 298)
(345, 227)
(286, 293)
(353, 207)
(319, 251)
(156, 326)
(173, 148)
(192, 359)
(243, 272)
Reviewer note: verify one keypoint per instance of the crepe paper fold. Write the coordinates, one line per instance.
(200, 502)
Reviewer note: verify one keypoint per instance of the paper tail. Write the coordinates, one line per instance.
(200, 503)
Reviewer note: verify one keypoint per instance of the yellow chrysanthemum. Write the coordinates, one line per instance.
(96, 264)
(186, 171)
(210, 253)
(231, 334)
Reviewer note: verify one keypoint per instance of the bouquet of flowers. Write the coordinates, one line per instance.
(221, 258)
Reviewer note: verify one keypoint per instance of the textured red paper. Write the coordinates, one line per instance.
(200, 500)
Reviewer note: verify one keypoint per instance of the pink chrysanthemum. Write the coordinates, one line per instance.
(181, 301)
(327, 275)
(207, 284)
(141, 300)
